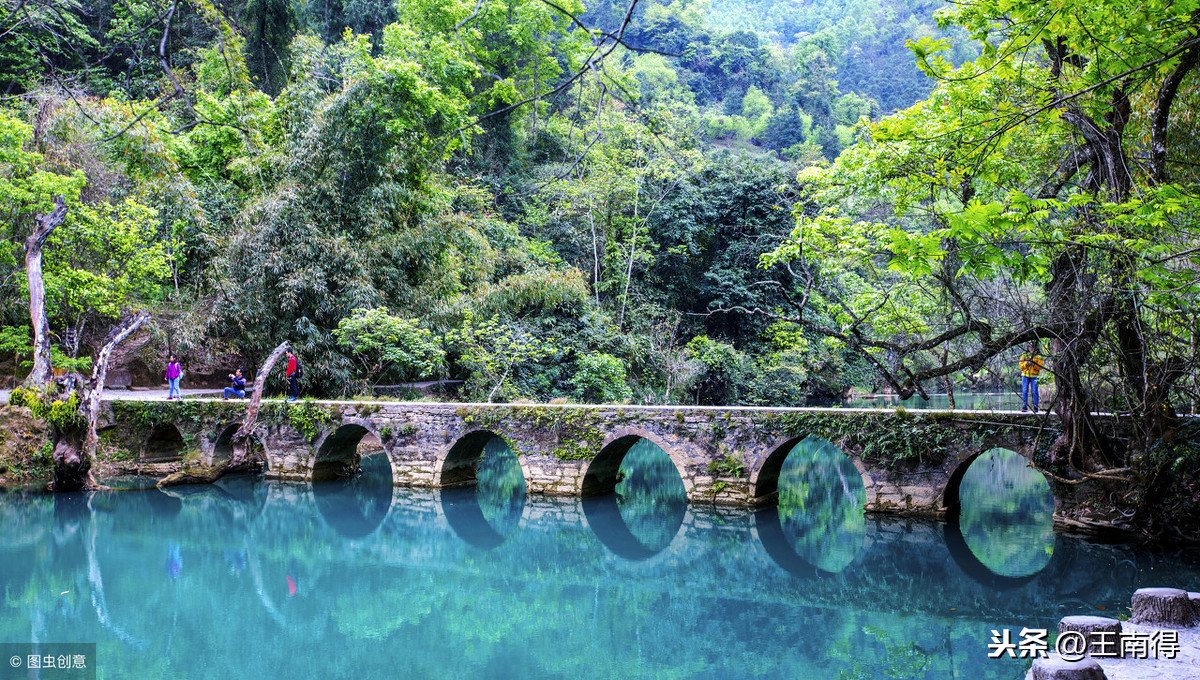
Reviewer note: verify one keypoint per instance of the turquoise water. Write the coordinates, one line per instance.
(355, 579)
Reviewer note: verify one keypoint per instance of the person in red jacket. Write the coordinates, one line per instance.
(293, 375)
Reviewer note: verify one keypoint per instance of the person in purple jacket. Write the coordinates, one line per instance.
(174, 372)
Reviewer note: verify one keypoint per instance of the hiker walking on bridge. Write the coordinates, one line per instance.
(1031, 367)
(174, 372)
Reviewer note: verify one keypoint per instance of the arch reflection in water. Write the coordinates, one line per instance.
(487, 512)
(644, 512)
(355, 506)
(1006, 514)
(821, 499)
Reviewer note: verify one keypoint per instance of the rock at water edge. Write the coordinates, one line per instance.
(1164, 606)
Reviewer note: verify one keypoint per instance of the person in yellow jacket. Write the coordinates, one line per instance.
(1031, 367)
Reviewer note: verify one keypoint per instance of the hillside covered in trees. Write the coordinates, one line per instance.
(547, 200)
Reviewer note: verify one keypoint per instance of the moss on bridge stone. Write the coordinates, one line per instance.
(577, 432)
(906, 459)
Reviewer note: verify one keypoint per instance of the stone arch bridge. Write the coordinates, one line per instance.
(911, 462)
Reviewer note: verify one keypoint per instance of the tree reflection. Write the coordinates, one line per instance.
(821, 499)
(650, 495)
(1007, 514)
(487, 512)
(645, 509)
(500, 486)
(355, 506)
(168, 586)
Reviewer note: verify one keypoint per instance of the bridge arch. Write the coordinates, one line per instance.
(457, 466)
(466, 518)
(768, 530)
(467, 500)
(222, 442)
(602, 514)
(764, 482)
(822, 524)
(966, 560)
(356, 507)
(336, 452)
(165, 441)
(601, 474)
(995, 520)
(638, 526)
(951, 496)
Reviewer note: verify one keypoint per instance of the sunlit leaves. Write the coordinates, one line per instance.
(25, 187)
(492, 349)
(389, 346)
(104, 259)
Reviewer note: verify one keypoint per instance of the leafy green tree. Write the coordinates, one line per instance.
(389, 346)
(1073, 242)
(492, 349)
(103, 259)
(727, 373)
(16, 340)
(39, 36)
(600, 379)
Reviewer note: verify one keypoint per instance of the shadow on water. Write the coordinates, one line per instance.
(355, 506)
(1006, 519)
(643, 514)
(484, 514)
(820, 507)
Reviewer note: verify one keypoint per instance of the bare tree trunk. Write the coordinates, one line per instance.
(45, 225)
(595, 249)
(240, 442)
(75, 447)
(91, 401)
(241, 438)
(632, 251)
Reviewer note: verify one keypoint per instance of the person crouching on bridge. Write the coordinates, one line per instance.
(237, 385)
(1031, 367)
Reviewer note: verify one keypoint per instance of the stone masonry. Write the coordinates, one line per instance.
(910, 462)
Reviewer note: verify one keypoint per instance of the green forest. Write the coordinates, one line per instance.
(725, 202)
(549, 201)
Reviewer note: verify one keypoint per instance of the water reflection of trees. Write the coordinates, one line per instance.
(821, 499)
(1007, 514)
(500, 486)
(549, 602)
(650, 495)
(485, 513)
(355, 506)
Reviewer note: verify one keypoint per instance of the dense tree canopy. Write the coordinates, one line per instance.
(604, 178)
(1045, 192)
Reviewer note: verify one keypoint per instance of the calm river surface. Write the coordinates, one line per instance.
(355, 579)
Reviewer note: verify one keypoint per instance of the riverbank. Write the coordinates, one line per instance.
(24, 450)
(1160, 640)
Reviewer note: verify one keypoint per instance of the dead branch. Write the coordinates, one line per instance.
(260, 381)
(91, 400)
(44, 227)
